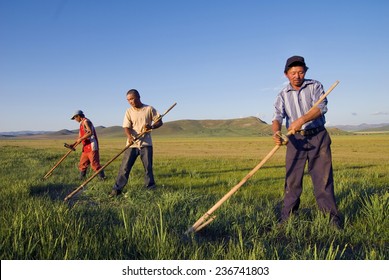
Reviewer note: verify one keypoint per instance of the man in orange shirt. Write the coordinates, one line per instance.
(90, 145)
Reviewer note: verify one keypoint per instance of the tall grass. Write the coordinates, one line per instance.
(192, 175)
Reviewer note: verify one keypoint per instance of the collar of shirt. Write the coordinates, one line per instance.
(305, 83)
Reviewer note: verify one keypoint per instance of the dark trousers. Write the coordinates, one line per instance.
(316, 151)
(129, 157)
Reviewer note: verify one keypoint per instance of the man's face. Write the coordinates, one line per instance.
(134, 100)
(77, 118)
(296, 75)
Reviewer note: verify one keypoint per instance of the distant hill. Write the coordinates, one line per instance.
(112, 131)
(249, 126)
(365, 127)
(24, 132)
(62, 132)
(376, 129)
(244, 127)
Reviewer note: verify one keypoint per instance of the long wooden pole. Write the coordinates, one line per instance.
(204, 219)
(70, 195)
(207, 218)
(59, 162)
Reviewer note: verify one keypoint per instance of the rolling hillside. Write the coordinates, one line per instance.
(246, 127)
(250, 126)
(376, 129)
(365, 127)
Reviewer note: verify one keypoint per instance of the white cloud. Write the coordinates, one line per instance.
(380, 114)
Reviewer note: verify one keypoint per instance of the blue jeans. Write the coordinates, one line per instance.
(129, 158)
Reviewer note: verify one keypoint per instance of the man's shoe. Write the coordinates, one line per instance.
(102, 176)
(151, 188)
(336, 222)
(82, 175)
(115, 193)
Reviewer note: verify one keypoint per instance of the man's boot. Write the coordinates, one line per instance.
(82, 175)
(102, 175)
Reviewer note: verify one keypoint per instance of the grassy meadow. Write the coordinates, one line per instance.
(192, 174)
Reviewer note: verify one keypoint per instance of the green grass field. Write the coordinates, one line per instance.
(192, 174)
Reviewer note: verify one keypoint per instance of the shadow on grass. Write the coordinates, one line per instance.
(53, 191)
(211, 234)
(175, 172)
(87, 208)
(58, 192)
(341, 168)
(352, 209)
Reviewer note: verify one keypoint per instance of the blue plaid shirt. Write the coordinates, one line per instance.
(291, 104)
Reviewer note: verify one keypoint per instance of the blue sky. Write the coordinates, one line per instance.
(218, 59)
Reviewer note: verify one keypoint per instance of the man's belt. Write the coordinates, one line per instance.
(310, 132)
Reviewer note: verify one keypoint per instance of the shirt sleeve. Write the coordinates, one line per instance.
(155, 115)
(319, 91)
(127, 119)
(279, 110)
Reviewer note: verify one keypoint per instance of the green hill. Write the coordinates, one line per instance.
(112, 131)
(250, 126)
(242, 127)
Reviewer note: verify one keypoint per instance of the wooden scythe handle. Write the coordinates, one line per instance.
(59, 162)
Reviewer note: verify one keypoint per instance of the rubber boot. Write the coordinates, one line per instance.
(102, 175)
(82, 175)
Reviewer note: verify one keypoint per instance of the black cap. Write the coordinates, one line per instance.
(295, 61)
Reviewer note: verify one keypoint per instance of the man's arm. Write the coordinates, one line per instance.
(276, 126)
(155, 125)
(130, 138)
(88, 133)
(312, 114)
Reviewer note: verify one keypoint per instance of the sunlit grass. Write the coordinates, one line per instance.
(192, 175)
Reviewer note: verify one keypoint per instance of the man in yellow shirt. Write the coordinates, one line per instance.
(138, 118)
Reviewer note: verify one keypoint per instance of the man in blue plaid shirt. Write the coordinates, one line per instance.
(309, 141)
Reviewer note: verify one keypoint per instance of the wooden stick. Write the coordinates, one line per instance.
(59, 162)
(98, 171)
(205, 219)
(115, 157)
(320, 100)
